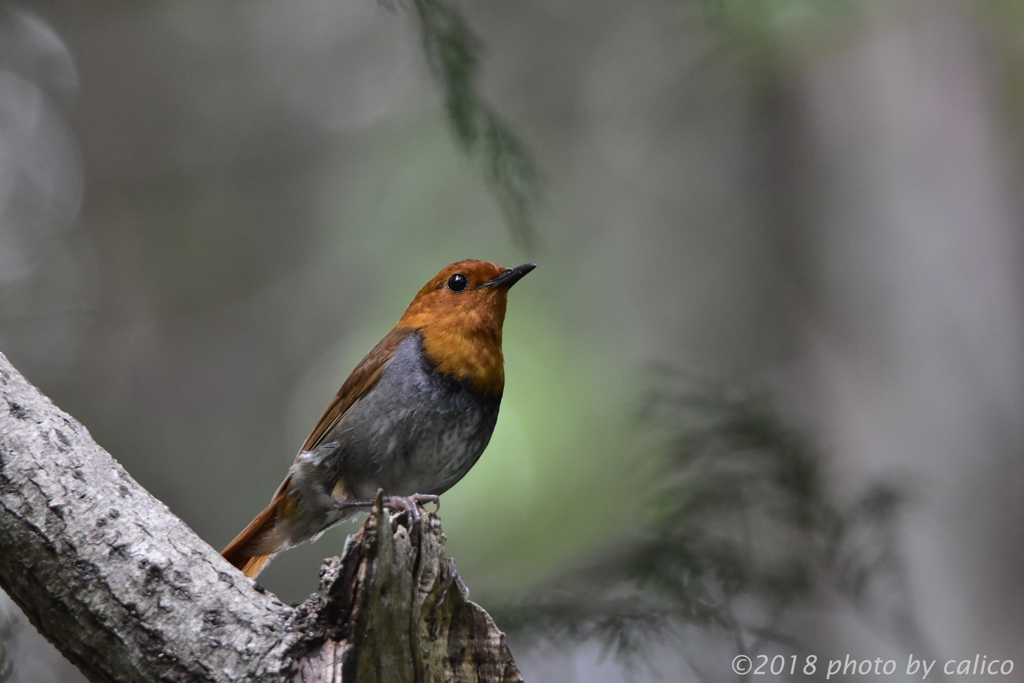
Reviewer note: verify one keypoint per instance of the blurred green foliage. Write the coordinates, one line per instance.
(508, 169)
(745, 526)
(1004, 22)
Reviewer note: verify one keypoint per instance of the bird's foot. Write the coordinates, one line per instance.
(410, 504)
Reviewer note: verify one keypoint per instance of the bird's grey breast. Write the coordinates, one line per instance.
(416, 431)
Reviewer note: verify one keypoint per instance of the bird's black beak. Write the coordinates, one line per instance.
(510, 276)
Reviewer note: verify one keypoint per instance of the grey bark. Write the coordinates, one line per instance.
(128, 592)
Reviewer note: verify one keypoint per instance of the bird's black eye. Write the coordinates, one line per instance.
(458, 282)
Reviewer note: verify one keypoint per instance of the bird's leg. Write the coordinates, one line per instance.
(346, 503)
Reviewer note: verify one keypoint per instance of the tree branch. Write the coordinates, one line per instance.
(127, 592)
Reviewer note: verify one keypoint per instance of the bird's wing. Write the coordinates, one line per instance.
(256, 544)
(358, 383)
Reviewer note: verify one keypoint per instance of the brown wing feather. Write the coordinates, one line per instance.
(252, 549)
(362, 378)
(256, 539)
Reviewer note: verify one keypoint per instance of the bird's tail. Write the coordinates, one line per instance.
(253, 548)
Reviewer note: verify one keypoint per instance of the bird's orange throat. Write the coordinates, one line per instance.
(465, 346)
(472, 358)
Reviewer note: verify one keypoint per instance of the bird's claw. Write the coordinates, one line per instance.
(410, 504)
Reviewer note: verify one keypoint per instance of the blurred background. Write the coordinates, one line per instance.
(211, 209)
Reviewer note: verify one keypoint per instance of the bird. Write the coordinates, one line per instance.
(411, 419)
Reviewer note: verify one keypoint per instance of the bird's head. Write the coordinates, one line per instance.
(459, 315)
(470, 294)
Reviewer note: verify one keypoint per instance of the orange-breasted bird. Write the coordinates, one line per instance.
(412, 418)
